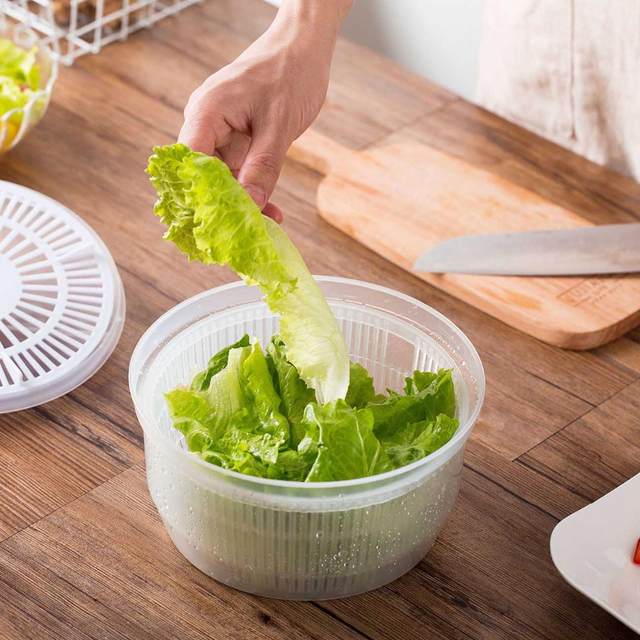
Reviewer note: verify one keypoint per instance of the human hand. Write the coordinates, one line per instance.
(249, 112)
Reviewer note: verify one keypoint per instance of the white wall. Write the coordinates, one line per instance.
(438, 39)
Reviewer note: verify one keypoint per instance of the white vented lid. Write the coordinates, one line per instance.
(62, 304)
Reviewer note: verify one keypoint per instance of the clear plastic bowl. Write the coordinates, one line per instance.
(16, 123)
(290, 539)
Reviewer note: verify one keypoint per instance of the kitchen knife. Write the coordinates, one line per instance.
(595, 250)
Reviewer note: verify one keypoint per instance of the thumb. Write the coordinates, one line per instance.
(261, 168)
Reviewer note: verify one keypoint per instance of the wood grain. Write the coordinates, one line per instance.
(401, 197)
(83, 553)
(71, 566)
(49, 456)
(596, 453)
(625, 351)
(486, 140)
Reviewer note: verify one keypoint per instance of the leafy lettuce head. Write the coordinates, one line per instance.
(212, 219)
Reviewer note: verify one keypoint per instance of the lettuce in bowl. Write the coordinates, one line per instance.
(26, 80)
(296, 409)
(250, 411)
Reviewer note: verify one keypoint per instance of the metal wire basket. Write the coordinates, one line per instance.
(72, 28)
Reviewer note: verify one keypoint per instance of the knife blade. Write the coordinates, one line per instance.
(594, 250)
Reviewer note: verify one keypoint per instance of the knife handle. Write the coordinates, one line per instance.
(319, 152)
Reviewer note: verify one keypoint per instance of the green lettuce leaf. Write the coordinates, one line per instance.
(194, 417)
(346, 445)
(293, 391)
(225, 394)
(361, 390)
(19, 85)
(438, 391)
(12, 96)
(18, 66)
(237, 460)
(237, 416)
(211, 218)
(429, 395)
(216, 363)
(412, 442)
(242, 438)
(412, 426)
(261, 398)
(292, 465)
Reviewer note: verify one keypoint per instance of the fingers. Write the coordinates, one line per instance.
(198, 135)
(204, 127)
(261, 167)
(234, 155)
(256, 161)
(273, 211)
(235, 152)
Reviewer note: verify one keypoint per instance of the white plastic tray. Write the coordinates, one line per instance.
(593, 550)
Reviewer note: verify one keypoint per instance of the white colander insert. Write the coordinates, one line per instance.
(62, 303)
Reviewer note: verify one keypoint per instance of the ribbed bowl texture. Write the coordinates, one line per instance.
(290, 539)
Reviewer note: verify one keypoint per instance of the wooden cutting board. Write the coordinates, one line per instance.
(401, 197)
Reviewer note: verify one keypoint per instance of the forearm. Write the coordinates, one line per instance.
(315, 20)
(317, 10)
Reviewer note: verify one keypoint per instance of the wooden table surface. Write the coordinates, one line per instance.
(82, 551)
